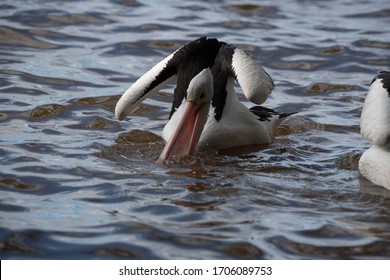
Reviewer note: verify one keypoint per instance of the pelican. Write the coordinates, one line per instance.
(206, 113)
(374, 164)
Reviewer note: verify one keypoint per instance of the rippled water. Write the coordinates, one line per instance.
(77, 183)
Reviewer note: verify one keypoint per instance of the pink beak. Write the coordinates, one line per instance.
(184, 139)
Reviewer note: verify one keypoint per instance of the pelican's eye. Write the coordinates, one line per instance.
(202, 95)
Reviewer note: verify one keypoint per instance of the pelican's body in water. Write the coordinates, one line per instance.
(206, 113)
(374, 164)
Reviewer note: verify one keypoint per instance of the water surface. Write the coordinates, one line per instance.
(76, 183)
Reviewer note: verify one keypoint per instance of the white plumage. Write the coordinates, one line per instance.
(224, 122)
(374, 164)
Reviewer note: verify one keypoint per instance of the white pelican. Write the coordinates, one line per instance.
(374, 164)
(206, 113)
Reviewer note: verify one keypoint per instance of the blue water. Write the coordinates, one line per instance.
(75, 183)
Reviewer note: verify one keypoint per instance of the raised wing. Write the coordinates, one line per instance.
(252, 78)
(183, 65)
(254, 81)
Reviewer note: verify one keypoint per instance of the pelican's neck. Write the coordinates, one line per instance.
(236, 127)
(374, 121)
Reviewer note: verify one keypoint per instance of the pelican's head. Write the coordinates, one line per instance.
(190, 117)
(375, 118)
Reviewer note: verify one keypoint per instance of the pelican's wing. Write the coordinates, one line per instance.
(152, 81)
(252, 78)
(156, 78)
(254, 81)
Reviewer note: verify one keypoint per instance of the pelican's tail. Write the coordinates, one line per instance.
(268, 115)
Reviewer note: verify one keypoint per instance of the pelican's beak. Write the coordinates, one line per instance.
(186, 135)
